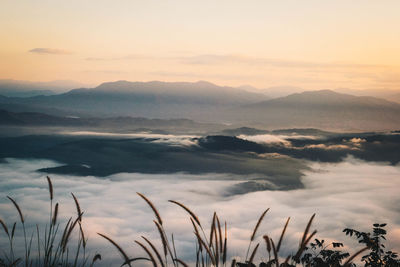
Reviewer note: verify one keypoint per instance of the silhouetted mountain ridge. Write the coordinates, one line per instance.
(328, 97)
(17, 88)
(324, 109)
(207, 102)
(122, 124)
(145, 99)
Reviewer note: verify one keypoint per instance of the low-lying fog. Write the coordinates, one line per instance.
(352, 194)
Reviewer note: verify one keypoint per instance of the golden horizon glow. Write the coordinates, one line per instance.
(310, 44)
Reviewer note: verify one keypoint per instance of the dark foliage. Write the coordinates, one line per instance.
(378, 255)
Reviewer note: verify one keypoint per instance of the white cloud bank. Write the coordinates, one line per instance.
(351, 194)
(183, 140)
(274, 138)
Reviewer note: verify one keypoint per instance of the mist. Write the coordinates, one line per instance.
(352, 194)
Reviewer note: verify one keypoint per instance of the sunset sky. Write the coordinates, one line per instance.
(312, 44)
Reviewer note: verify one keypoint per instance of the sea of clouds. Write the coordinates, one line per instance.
(352, 194)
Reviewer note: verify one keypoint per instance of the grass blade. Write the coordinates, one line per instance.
(283, 233)
(50, 187)
(148, 253)
(124, 255)
(155, 251)
(152, 207)
(187, 210)
(18, 209)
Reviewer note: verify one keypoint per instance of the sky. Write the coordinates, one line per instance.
(310, 44)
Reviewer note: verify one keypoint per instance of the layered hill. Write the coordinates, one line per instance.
(206, 102)
(143, 99)
(324, 109)
(111, 124)
(16, 88)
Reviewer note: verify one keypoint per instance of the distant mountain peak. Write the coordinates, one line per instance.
(201, 87)
(202, 82)
(320, 92)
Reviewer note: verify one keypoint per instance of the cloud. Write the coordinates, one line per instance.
(51, 51)
(389, 77)
(224, 59)
(212, 59)
(126, 57)
(351, 194)
(240, 68)
(180, 140)
(329, 147)
(105, 71)
(274, 138)
(197, 75)
(308, 73)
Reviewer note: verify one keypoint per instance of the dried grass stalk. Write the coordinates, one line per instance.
(181, 262)
(275, 253)
(66, 239)
(258, 224)
(152, 207)
(253, 253)
(349, 260)
(163, 239)
(187, 210)
(212, 231)
(155, 250)
(96, 258)
(225, 244)
(54, 220)
(148, 253)
(196, 231)
(4, 227)
(207, 249)
(216, 249)
(124, 255)
(303, 239)
(13, 230)
(18, 209)
(78, 207)
(302, 246)
(283, 233)
(50, 187)
(83, 235)
(267, 243)
(220, 234)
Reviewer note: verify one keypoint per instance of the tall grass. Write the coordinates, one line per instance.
(50, 245)
(212, 248)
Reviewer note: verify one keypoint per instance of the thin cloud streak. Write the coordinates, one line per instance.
(212, 59)
(105, 71)
(126, 57)
(51, 51)
(242, 68)
(220, 59)
(197, 75)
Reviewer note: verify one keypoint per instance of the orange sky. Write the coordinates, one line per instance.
(312, 44)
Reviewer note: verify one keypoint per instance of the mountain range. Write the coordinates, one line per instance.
(324, 109)
(151, 99)
(206, 102)
(17, 88)
(388, 94)
(108, 124)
